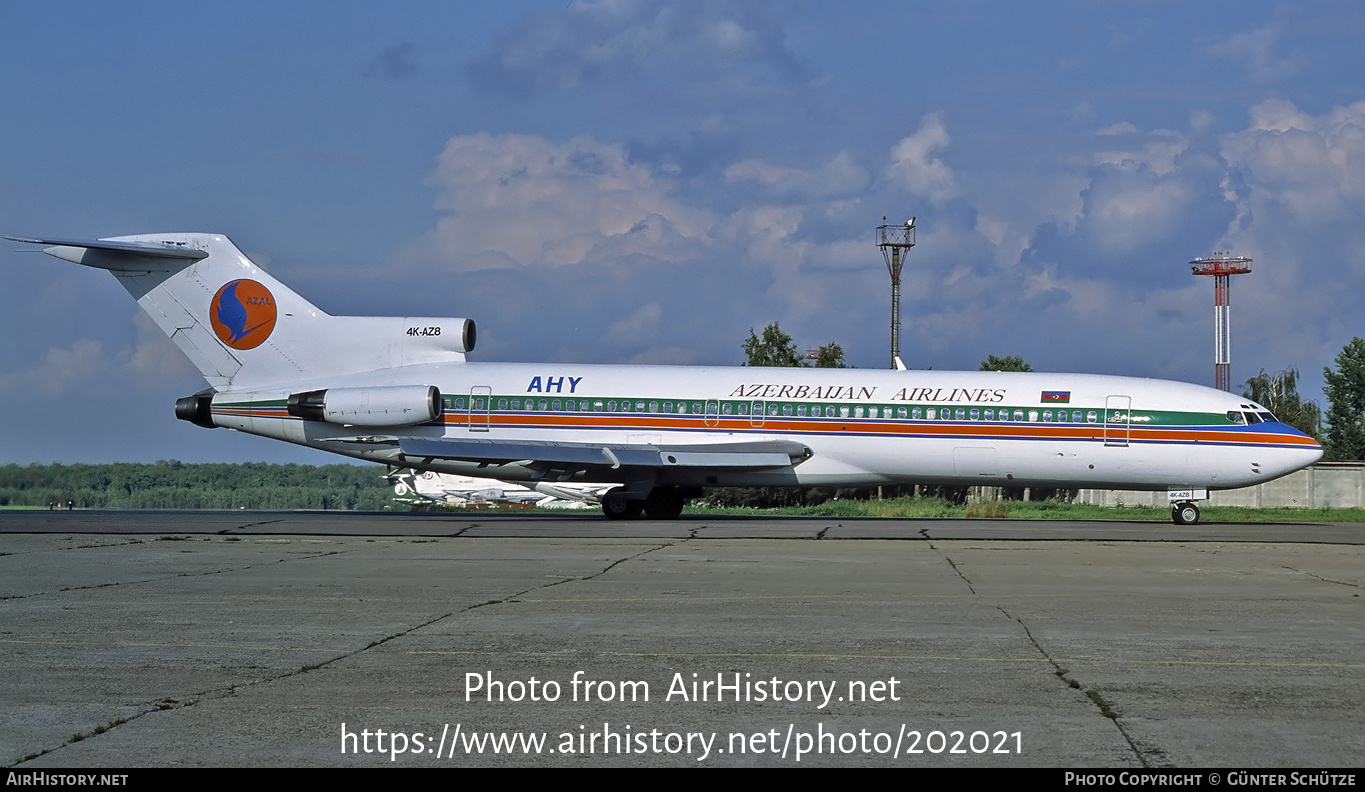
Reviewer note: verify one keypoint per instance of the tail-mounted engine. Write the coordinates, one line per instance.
(398, 405)
(197, 409)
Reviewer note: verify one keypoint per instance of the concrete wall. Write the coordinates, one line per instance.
(1324, 485)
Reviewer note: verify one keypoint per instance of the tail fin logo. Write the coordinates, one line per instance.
(243, 314)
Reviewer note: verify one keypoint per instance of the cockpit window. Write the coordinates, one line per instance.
(1252, 418)
(1265, 416)
(1236, 417)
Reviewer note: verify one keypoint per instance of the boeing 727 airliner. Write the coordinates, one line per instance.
(399, 391)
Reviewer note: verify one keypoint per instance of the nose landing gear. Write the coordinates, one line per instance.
(1184, 513)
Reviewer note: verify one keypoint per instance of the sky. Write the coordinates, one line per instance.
(644, 182)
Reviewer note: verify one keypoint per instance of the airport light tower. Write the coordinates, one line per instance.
(1222, 266)
(895, 242)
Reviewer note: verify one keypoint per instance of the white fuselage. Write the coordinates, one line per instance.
(873, 427)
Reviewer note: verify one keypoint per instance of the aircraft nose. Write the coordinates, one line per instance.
(1299, 455)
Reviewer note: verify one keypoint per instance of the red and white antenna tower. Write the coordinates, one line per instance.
(1222, 266)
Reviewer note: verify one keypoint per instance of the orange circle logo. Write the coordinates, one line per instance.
(243, 314)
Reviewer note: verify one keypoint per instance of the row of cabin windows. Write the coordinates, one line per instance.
(788, 410)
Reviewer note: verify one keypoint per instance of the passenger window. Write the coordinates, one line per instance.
(1047, 416)
(726, 409)
(502, 404)
(1033, 415)
(555, 405)
(858, 412)
(843, 412)
(459, 404)
(696, 408)
(961, 414)
(668, 407)
(916, 413)
(1018, 415)
(597, 406)
(931, 413)
(1091, 417)
(976, 415)
(801, 410)
(743, 409)
(901, 413)
(990, 415)
(639, 406)
(829, 412)
(543, 404)
(786, 409)
(653, 406)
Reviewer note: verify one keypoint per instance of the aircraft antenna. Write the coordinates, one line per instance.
(895, 242)
(1222, 266)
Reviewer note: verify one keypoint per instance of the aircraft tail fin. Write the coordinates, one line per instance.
(243, 328)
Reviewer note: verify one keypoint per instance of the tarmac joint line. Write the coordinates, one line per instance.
(1093, 694)
(245, 526)
(167, 704)
(222, 571)
(1324, 579)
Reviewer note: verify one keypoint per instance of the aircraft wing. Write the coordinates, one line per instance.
(770, 454)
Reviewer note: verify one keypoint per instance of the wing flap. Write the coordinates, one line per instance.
(755, 456)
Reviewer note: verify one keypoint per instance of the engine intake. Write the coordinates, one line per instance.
(396, 405)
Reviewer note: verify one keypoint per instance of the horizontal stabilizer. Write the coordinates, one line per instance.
(758, 455)
(168, 249)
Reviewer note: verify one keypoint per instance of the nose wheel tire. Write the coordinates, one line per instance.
(1185, 514)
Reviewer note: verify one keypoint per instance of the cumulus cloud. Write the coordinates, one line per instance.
(514, 201)
(841, 176)
(1156, 150)
(1313, 168)
(626, 42)
(84, 364)
(917, 163)
(61, 371)
(1256, 51)
(1091, 267)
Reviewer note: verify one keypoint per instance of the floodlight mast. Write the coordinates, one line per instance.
(1222, 266)
(895, 242)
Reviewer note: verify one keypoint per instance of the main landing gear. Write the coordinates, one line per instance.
(1184, 513)
(662, 503)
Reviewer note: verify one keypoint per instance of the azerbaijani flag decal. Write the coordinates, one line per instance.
(1056, 397)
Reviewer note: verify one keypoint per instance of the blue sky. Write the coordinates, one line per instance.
(644, 182)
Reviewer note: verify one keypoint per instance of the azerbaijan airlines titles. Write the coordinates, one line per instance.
(772, 390)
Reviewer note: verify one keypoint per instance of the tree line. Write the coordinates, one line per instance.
(176, 485)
